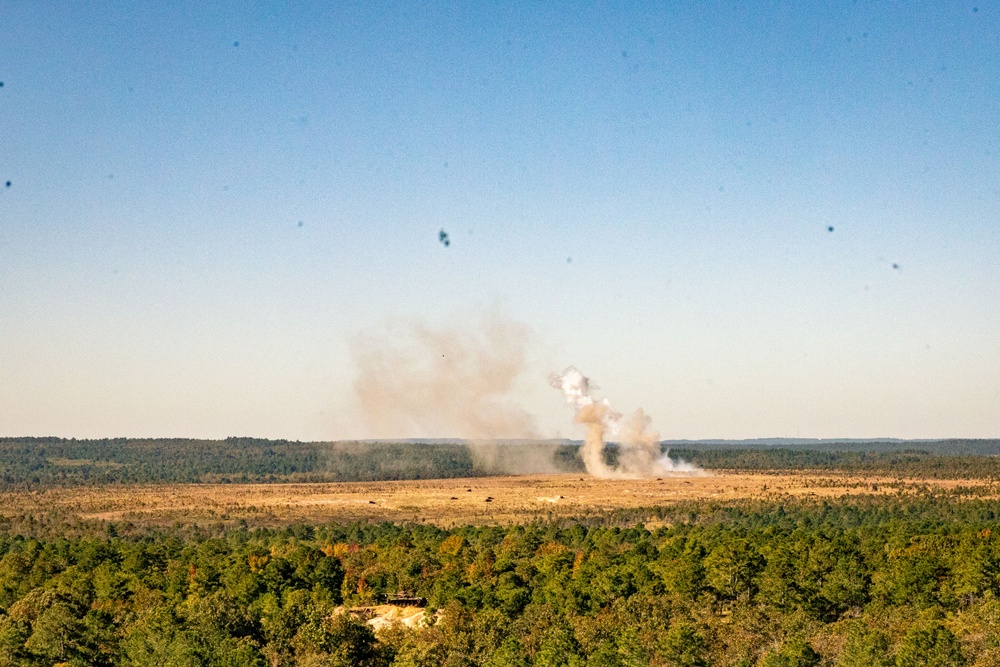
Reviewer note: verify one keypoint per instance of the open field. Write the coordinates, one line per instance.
(447, 502)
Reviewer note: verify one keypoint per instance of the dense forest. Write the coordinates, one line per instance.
(57, 461)
(867, 582)
(902, 463)
(32, 462)
(948, 447)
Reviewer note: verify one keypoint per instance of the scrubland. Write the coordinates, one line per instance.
(453, 502)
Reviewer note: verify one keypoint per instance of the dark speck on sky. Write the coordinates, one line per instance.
(443, 238)
(301, 223)
(236, 43)
(7, 184)
(830, 228)
(895, 266)
(1, 84)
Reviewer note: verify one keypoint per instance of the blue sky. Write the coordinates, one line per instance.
(689, 158)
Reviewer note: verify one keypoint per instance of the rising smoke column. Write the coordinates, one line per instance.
(598, 418)
(639, 452)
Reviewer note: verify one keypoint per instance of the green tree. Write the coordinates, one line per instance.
(508, 655)
(559, 649)
(337, 640)
(158, 640)
(911, 576)
(420, 650)
(732, 568)
(684, 646)
(846, 585)
(778, 580)
(865, 647)
(929, 646)
(57, 635)
(237, 652)
(13, 634)
(795, 653)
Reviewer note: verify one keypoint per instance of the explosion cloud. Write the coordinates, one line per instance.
(639, 447)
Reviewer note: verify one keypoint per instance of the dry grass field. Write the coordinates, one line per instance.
(447, 502)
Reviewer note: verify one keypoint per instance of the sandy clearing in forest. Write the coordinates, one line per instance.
(446, 502)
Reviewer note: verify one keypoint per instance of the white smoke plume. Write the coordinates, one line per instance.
(639, 447)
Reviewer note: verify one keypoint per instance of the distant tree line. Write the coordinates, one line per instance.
(56, 461)
(904, 463)
(39, 462)
(946, 447)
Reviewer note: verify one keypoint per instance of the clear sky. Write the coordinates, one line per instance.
(209, 202)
